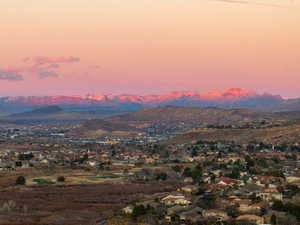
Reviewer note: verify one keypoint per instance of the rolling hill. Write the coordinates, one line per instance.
(101, 124)
(49, 114)
(44, 111)
(101, 127)
(172, 119)
(282, 106)
(274, 135)
(210, 115)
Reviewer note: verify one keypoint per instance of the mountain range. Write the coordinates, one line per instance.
(231, 98)
(50, 114)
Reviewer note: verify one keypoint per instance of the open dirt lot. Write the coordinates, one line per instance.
(70, 204)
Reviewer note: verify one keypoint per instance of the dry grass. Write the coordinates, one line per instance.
(77, 204)
(290, 134)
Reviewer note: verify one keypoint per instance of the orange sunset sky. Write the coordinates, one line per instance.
(70, 47)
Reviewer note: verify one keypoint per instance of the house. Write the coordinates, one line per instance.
(269, 194)
(244, 219)
(207, 179)
(213, 213)
(45, 161)
(188, 180)
(175, 210)
(269, 179)
(293, 179)
(243, 205)
(217, 173)
(193, 215)
(256, 207)
(7, 165)
(92, 163)
(189, 189)
(175, 200)
(234, 159)
(128, 209)
(229, 182)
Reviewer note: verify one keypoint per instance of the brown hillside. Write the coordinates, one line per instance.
(171, 114)
(290, 134)
(100, 124)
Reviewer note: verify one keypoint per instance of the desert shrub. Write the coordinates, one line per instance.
(61, 179)
(138, 210)
(21, 180)
(43, 181)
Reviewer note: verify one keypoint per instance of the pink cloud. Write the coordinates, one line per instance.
(10, 75)
(47, 73)
(53, 60)
(26, 59)
(41, 66)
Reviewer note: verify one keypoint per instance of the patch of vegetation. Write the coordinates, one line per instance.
(43, 181)
(21, 180)
(61, 179)
(288, 207)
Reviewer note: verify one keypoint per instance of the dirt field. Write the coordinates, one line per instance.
(70, 204)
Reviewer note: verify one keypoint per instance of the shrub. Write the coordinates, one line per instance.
(43, 181)
(21, 180)
(138, 210)
(61, 179)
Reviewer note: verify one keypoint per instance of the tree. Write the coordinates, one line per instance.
(61, 179)
(273, 219)
(26, 156)
(194, 152)
(208, 202)
(161, 176)
(277, 173)
(250, 162)
(293, 189)
(235, 174)
(177, 168)
(84, 158)
(278, 206)
(213, 178)
(21, 180)
(138, 210)
(187, 172)
(196, 173)
(200, 191)
(232, 211)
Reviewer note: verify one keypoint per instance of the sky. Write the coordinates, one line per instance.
(76, 47)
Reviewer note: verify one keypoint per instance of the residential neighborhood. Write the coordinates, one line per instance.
(208, 182)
